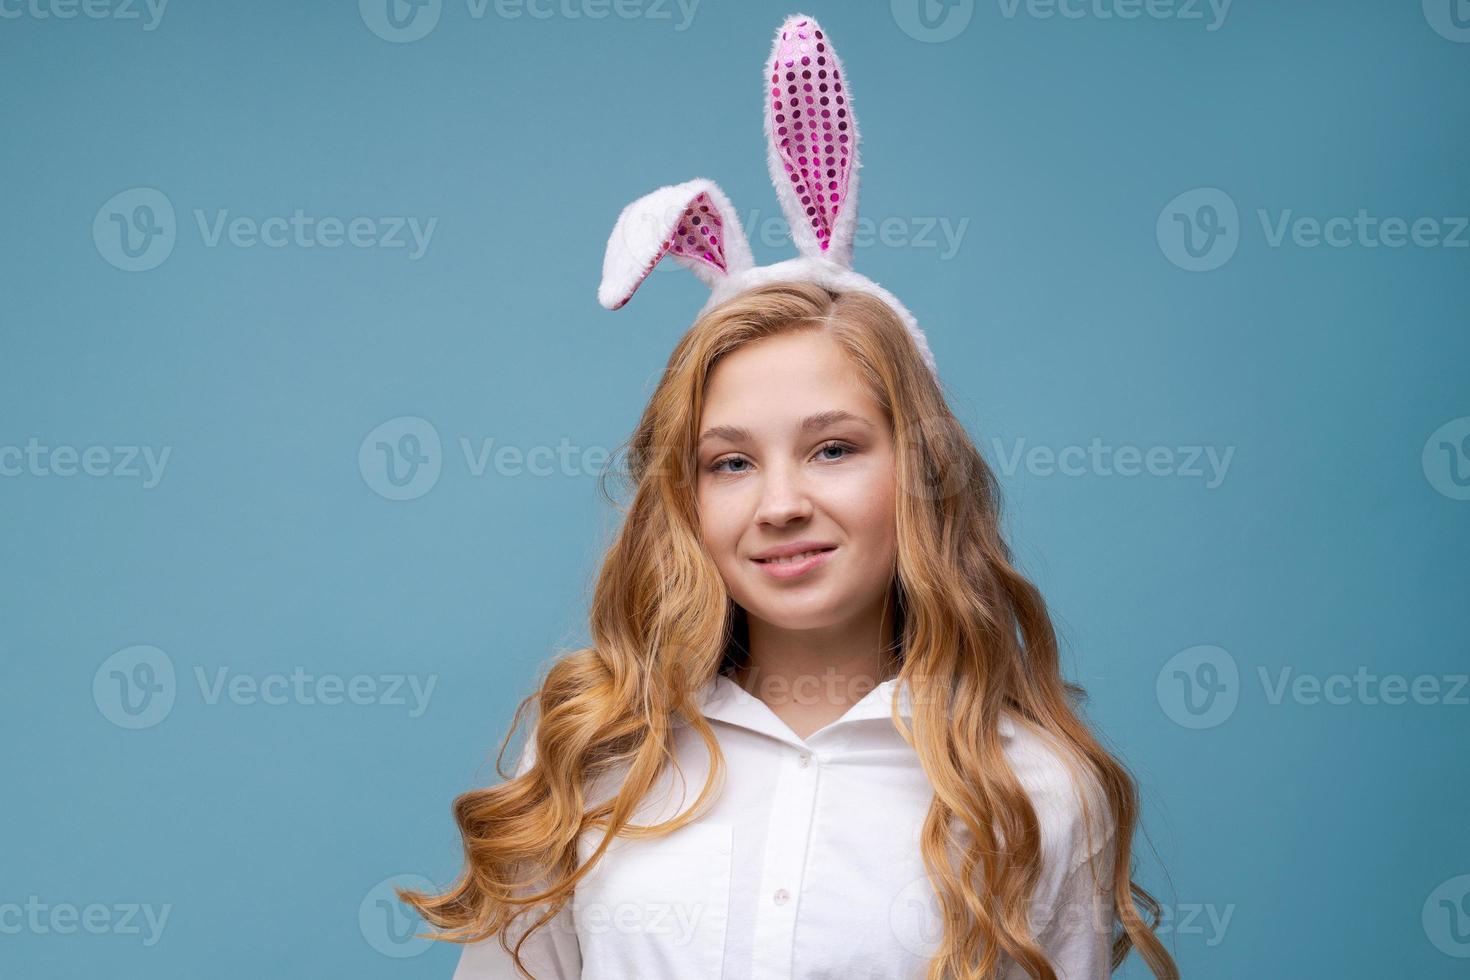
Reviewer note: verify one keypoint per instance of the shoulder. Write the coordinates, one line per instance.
(1069, 836)
(1071, 910)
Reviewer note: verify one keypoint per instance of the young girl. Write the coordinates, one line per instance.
(821, 731)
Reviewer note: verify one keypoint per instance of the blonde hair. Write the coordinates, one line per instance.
(976, 639)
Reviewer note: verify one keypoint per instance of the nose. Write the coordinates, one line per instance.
(784, 496)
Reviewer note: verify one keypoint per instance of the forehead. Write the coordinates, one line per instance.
(788, 375)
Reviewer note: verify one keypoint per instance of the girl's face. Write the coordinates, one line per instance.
(792, 449)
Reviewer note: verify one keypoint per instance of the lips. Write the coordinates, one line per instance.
(792, 559)
(795, 564)
(791, 548)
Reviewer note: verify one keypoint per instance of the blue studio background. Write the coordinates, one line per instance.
(1195, 276)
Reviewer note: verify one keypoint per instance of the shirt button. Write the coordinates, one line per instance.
(804, 760)
(781, 896)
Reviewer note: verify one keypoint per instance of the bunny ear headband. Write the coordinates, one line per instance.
(812, 152)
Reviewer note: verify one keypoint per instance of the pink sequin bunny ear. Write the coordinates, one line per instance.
(812, 140)
(693, 221)
(812, 153)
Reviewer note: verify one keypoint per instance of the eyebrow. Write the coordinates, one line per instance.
(735, 433)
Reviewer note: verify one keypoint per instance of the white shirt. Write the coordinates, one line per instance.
(807, 865)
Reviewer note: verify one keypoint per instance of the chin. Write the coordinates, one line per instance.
(807, 613)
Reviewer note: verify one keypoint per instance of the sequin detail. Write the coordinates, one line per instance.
(698, 233)
(811, 125)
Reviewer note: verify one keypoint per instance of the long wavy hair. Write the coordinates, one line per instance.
(974, 639)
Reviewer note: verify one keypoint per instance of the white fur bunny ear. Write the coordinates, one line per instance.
(694, 221)
(812, 140)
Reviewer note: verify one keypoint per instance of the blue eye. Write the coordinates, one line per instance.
(847, 450)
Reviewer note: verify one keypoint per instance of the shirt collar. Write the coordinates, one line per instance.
(721, 699)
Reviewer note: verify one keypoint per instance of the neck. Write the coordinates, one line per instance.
(836, 665)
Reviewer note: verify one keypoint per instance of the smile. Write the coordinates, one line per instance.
(793, 566)
(791, 558)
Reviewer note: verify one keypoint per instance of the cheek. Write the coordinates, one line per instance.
(719, 522)
(872, 518)
(867, 498)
